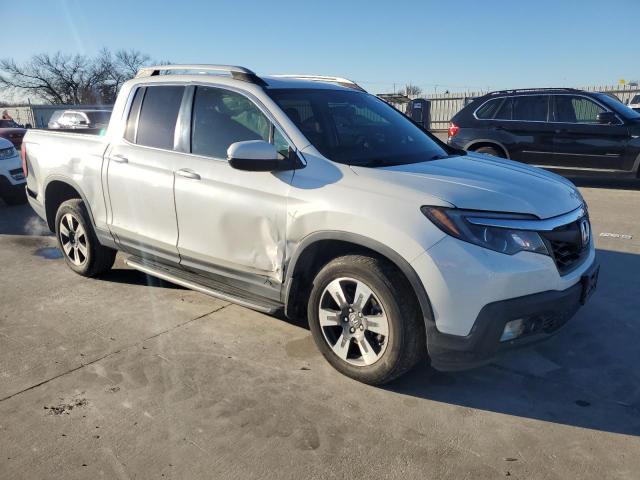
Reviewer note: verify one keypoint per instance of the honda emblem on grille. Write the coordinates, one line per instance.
(584, 231)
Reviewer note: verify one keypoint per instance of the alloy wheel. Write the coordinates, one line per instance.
(353, 321)
(73, 239)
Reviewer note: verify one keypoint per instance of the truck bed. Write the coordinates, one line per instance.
(70, 156)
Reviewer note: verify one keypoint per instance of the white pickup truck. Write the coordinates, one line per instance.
(308, 195)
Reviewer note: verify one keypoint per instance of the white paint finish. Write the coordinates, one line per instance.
(461, 278)
(140, 193)
(327, 196)
(68, 156)
(480, 182)
(11, 163)
(252, 149)
(232, 218)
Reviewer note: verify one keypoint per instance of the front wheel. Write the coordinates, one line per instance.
(80, 247)
(365, 319)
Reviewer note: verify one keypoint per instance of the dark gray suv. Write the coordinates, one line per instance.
(567, 130)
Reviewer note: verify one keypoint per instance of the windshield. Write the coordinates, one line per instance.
(356, 128)
(618, 107)
(98, 117)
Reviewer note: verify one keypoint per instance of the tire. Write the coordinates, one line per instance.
(379, 358)
(491, 151)
(78, 242)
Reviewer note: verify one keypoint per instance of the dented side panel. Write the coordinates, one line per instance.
(232, 219)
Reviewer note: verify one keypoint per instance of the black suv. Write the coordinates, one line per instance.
(562, 129)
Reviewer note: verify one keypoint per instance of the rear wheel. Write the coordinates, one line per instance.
(80, 247)
(496, 152)
(365, 319)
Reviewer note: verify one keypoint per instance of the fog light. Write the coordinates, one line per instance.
(512, 329)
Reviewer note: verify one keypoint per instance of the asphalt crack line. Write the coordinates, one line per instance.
(110, 354)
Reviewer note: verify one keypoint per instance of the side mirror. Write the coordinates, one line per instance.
(607, 118)
(255, 156)
(28, 125)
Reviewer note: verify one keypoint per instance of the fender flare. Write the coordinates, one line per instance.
(61, 178)
(636, 166)
(403, 265)
(104, 236)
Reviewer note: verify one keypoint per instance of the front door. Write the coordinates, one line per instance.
(140, 175)
(231, 222)
(584, 144)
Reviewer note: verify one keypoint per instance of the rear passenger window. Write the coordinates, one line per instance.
(531, 108)
(505, 111)
(489, 109)
(158, 116)
(222, 117)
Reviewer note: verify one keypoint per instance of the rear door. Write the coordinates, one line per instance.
(531, 132)
(581, 142)
(140, 174)
(230, 221)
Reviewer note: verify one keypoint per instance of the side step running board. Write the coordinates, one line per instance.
(206, 286)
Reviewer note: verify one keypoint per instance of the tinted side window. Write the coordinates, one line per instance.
(134, 112)
(158, 116)
(489, 109)
(222, 117)
(576, 109)
(505, 111)
(531, 108)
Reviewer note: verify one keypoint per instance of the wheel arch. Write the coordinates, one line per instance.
(485, 142)
(57, 191)
(317, 249)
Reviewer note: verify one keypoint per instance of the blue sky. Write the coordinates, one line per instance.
(438, 45)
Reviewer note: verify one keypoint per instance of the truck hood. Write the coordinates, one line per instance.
(482, 182)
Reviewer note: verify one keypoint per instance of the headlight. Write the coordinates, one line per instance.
(504, 240)
(7, 153)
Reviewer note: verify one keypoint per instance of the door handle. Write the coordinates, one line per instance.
(186, 173)
(119, 158)
(560, 130)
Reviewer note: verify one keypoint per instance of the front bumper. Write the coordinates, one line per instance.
(10, 187)
(544, 313)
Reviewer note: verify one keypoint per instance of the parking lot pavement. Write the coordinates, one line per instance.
(129, 377)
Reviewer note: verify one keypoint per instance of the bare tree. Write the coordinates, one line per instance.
(412, 91)
(72, 79)
(119, 68)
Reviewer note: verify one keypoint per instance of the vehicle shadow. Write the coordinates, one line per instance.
(134, 277)
(612, 183)
(21, 220)
(586, 376)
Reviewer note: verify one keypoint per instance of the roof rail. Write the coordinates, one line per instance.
(544, 89)
(344, 82)
(238, 73)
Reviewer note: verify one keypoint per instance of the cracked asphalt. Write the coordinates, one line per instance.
(130, 377)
